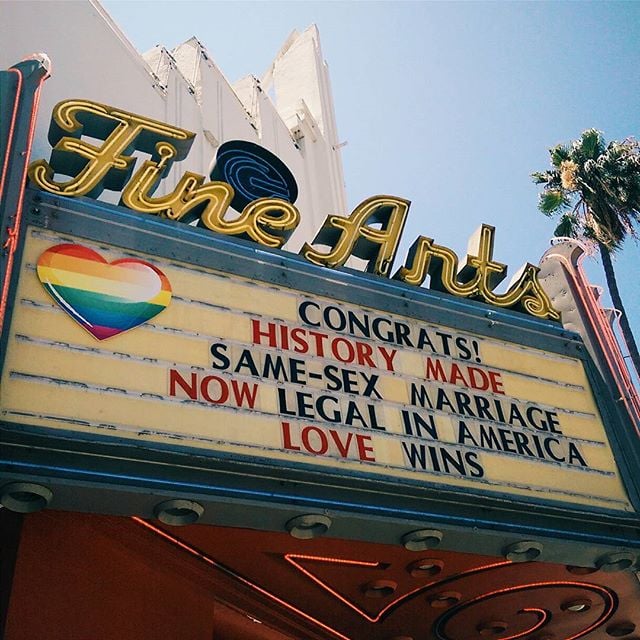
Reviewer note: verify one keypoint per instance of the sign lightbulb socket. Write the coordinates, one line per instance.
(178, 512)
(422, 539)
(308, 526)
(25, 497)
(524, 551)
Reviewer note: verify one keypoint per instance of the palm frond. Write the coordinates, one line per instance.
(591, 144)
(552, 201)
(549, 178)
(568, 227)
(559, 153)
(540, 177)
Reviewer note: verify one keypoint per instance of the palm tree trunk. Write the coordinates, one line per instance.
(617, 303)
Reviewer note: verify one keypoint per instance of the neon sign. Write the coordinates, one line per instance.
(263, 190)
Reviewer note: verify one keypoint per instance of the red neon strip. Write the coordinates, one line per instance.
(542, 620)
(614, 350)
(359, 563)
(326, 587)
(394, 603)
(608, 609)
(12, 240)
(210, 561)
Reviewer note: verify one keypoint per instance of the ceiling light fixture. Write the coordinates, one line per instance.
(308, 526)
(492, 629)
(422, 539)
(425, 568)
(379, 588)
(524, 551)
(179, 512)
(25, 497)
(576, 606)
(615, 561)
(621, 629)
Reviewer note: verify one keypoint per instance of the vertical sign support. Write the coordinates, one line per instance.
(19, 97)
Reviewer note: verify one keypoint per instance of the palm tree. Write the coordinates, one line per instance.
(595, 189)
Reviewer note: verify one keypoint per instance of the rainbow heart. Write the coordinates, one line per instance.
(104, 298)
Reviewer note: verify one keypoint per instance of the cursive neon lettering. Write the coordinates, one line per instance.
(372, 232)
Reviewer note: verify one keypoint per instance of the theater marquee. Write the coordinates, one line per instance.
(169, 347)
(124, 344)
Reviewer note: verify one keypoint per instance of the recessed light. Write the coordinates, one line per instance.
(178, 512)
(524, 551)
(620, 629)
(576, 606)
(308, 526)
(444, 599)
(615, 561)
(581, 571)
(379, 588)
(425, 568)
(25, 497)
(422, 539)
(492, 628)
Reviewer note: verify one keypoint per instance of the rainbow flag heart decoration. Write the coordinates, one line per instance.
(106, 298)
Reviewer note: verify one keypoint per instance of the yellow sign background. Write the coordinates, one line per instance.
(58, 376)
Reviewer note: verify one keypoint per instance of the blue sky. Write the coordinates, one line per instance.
(451, 105)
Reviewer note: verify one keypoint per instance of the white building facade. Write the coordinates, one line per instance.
(185, 88)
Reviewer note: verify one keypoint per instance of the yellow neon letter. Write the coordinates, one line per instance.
(525, 292)
(269, 221)
(479, 264)
(353, 236)
(477, 277)
(189, 200)
(94, 168)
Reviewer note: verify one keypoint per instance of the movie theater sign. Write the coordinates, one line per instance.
(175, 340)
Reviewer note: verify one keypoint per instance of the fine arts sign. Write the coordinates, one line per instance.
(260, 186)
